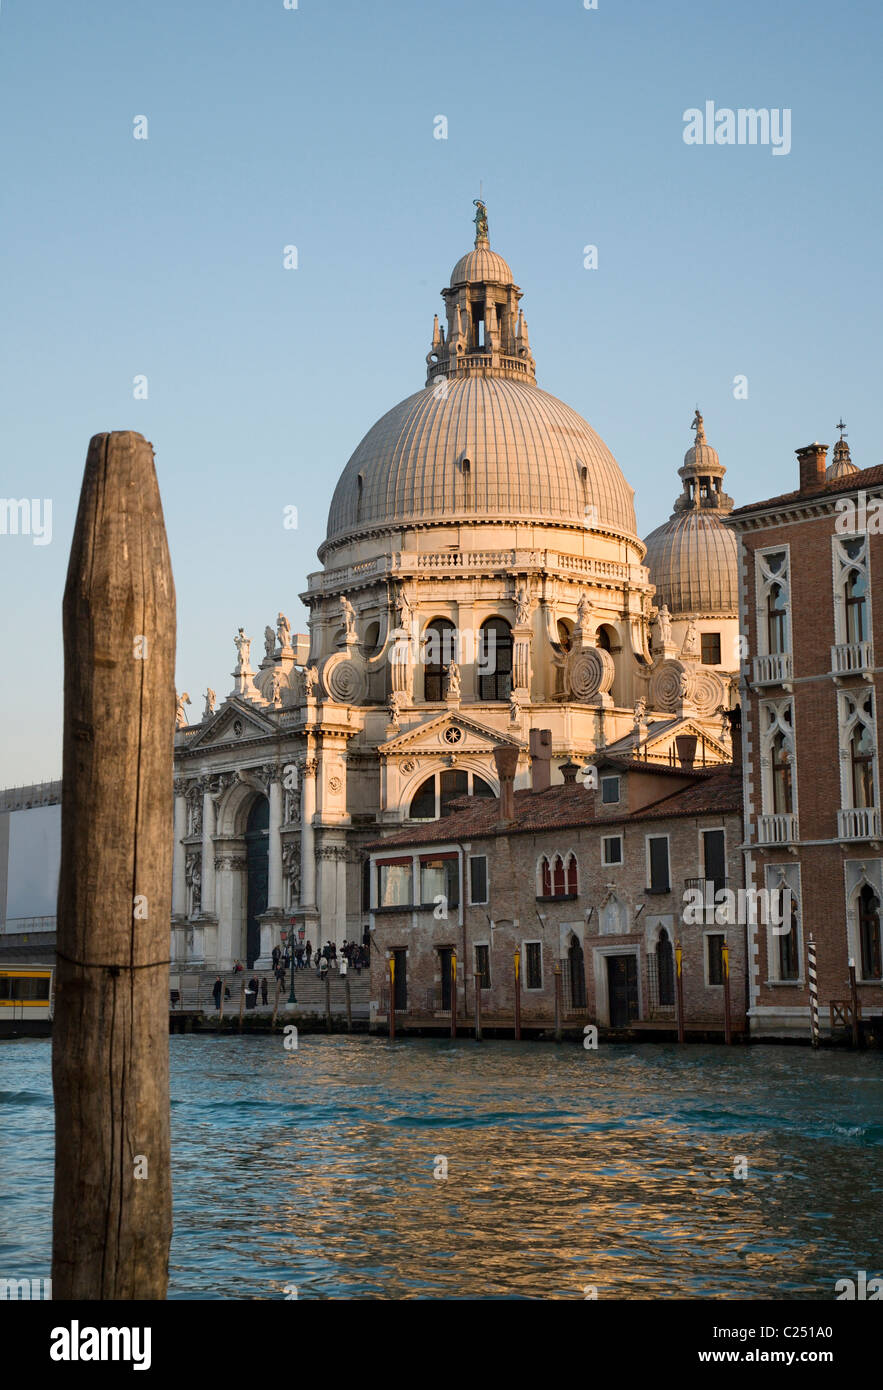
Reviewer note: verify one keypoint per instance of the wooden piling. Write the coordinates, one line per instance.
(477, 1009)
(853, 991)
(517, 995)
(679, 990)
(112, 1214)
(328, 999)
(241, 1002)
(453, 994)
(728, 1027)
(349, 1003)
(557, 1002)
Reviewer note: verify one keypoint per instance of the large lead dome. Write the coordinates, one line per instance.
(481, 443)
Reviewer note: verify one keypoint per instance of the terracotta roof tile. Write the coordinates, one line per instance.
(832, 487)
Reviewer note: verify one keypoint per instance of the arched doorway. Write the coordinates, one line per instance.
(257, 832)
(665, 969)
(577, 972)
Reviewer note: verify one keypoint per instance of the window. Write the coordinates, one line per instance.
(439, 650)
(789, 955)
(783, 802)
(777, 619)
(394, 883)
(772, 589)
(861, 754)
(657, 864)
(434, 796)
(478, 878)
(711, 648)
(366, 885)
(440, 877)
(494, 660)
(611, 849)
(714, 859)
(557, 876)
(714, 957)
(609, 790)
(856, 607)
(533, 965)
(869, 934)
(483, 966)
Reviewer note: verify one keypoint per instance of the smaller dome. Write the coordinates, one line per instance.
(694, 562)
(701, 458)
(481, 264)
(842, 464)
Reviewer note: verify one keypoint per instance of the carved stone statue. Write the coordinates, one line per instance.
(349, 615)
(243, 646)
(480, 220)
(403, 609)
(269, 642)
(453, 684)
(691, 641)
(311, 680)
(210, 703)
(640, 709)
(583, 612)
(283, 631)
(514, 709)
(522, 605)
(276, 688)
(663, 620)
(181, 720)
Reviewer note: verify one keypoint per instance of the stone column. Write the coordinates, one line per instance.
(521, 667)
(274, 890)
(208, 852)
(179, 861)
(307, 836)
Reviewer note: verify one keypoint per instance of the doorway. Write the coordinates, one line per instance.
(257, 859)
(622, 990)
(577, 973)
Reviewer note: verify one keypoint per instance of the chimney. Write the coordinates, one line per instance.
(540, 759)
(569, 770)
(506, 759)
(686, 746)
(812, 466)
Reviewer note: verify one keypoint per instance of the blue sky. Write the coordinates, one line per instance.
(314, 127)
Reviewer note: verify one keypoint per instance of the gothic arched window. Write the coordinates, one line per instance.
(869, 934)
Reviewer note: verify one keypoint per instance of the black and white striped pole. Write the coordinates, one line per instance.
(813, 980)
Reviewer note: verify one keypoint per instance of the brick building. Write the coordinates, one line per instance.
(811, 612)
(590, 880)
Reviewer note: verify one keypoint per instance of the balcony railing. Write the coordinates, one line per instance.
(774, 669)
(859, 823)
(777, 830)
(852, 658)
(716, 883)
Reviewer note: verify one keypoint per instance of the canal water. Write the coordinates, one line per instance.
(312, 1173)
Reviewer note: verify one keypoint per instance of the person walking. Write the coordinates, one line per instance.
(343, 967)
(217, 990)
(276, 953)
(251, 993)
(263, 989)
(308, 951)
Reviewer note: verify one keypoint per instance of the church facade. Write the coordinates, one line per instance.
(482, 576)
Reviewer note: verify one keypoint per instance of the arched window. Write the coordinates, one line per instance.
(434, 796)
(559, 886)
(861, 757)
(869, 934)
(665, 969)
(545, 877)
(856, 592)
(495, 660)
(571, 874)
(603, 639)
(439, 650)
(565, 636)
(782, 785)
(789, 958)
(777, 619)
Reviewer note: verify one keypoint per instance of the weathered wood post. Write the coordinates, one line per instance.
(477, 1008)
(392, 997)
(112, 1214)
(853, 991)
(725, 961)
(453, 994)
(349, 1003)
(328, 999)
(517, 995)
(679, 990)
(276, 1005)
(557, 1001)
(241, 1002)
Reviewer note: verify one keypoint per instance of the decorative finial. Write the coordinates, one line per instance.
(842, 428)
(480, 220)
(698, 426)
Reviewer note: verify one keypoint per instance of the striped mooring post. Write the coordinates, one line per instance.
(812, 977)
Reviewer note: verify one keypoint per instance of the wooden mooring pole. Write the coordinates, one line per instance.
(112, 1213)
(349, 1003)
(517, 995)
(679, 990)
(728, 1027)
(477, 1009)
(453, 994)
(557, 1002)
(853, 992)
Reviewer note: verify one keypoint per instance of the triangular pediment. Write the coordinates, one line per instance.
(661, 736)
(222, 727)
(451, 732)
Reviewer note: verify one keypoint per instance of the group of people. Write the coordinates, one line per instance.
(351, 955)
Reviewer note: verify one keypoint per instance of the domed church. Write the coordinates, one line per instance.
(481, 577)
